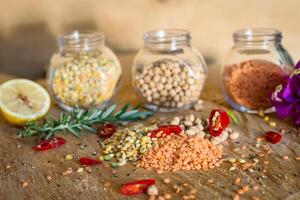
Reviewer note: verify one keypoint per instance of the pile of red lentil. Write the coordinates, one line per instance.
(182, 152)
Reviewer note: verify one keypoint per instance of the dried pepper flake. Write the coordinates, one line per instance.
(218, 121)
(49, 144)
(88, 161)
(165, 130)
(273, 137)
(106, 130)
(136, 187)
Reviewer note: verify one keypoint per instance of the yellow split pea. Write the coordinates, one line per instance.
(85, 81)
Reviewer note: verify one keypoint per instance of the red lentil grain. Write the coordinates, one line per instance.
(180, 152)
(246, 88)
(285, 157)
(237, 181)
(236, 197)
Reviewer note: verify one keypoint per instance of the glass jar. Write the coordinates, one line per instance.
(84, 72)
(168, 73)
(252, 69)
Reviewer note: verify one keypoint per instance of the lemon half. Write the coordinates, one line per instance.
(23, 101)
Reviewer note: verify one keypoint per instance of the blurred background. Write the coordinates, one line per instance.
(28, 28)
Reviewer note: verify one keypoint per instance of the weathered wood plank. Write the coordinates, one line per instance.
(282, 182)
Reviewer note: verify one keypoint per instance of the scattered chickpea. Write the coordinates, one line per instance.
(166, 180)
(152, 190)
(167, 196)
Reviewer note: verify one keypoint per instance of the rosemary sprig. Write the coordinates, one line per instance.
(78, 120)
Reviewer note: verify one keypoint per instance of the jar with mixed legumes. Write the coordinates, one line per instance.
(84, 72)
(168, 73)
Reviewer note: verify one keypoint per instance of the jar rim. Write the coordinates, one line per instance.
(167, 36)
(257, 35)
(77, 37)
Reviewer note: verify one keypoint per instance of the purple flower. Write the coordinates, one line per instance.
(286, 98)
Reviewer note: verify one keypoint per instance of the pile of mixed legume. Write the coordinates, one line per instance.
(127, 145)
(85, 80)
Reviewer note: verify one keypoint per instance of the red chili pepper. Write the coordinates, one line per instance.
(49, 144)
(88, 161)
(106, 130)
(136, 187)
(218, 121)
(165, 130)
(273, 137)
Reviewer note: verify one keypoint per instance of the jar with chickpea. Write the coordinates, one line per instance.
(168, 73)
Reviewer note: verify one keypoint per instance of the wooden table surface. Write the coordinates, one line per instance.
(19, 163)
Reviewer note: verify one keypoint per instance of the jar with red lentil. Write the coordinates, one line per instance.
(168, 73)
(252, 69)
(84, 72)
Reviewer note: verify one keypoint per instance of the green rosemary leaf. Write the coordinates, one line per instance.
(79, 114)
(122, 110)
(141, 115)
(136, 107)
(78, 120)
(48, 136)
(127, 114)
(74, 132)
(108, 111)
(89, 128)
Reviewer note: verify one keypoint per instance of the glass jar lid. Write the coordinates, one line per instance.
(77, 40)
(251, 35)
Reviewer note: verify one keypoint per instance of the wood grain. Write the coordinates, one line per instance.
(20, 163)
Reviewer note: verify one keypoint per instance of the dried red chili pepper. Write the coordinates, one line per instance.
(218, 121)
(165, 130)
(49, 144)
(136, 187)
(106, 130)
(88, 161)
(273, 137)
